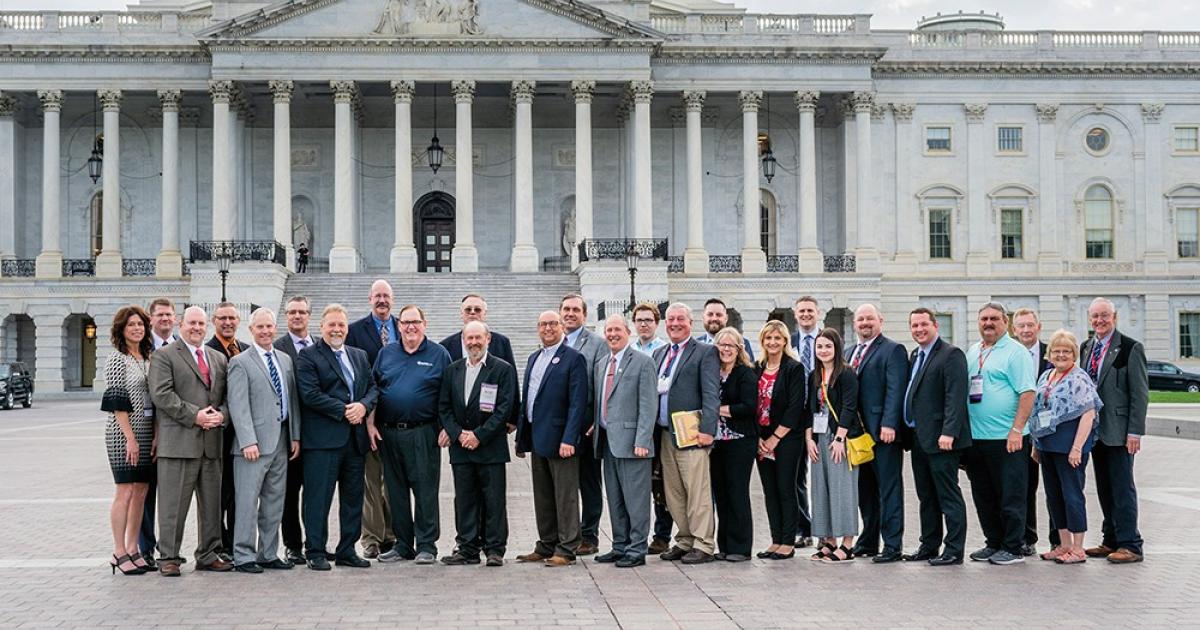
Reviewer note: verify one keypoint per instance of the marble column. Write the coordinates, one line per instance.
(812, 261)
(8, 179)
(643, 205)
(169, 263)
(281, 164)
(1155, 258)
(222, 190)
(867, 253)
(979, 235)
(754, 259)
(525, 253)
(343, 256)
(237, 143)
(464, 257)
(908, 224)
(1049, 256)
(404, 253)
(583, 91)
(108, 262)
(49, 261)
(695, 256)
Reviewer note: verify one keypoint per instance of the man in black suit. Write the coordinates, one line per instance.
(162, 332)
(336, 395)
(476, 398)
(226, 321)
(882, 369)
(808, 319)
(573, 310)
(370, 334)
(296, 339)
(1028, 328)
(937, 426)
(716, 317)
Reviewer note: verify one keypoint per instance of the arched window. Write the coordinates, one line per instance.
(768, 222)
(97, 218)
(1098, 222)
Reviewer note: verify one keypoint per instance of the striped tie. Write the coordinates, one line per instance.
(275, 382)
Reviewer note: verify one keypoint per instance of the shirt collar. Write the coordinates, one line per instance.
(420, 348)
(929, 346)
(619, 355)
(681, 344)
(552, 350)
(159, 341)
(296, 340)
(482, 361)
(1104, 340)
(572, 337)
(192, 349)
(808, 333)
(380, 323)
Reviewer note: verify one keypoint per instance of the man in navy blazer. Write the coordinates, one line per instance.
(336, 395)
(882, 368)
(553, 415)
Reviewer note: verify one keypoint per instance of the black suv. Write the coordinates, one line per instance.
(1165, 375)
(16, 384)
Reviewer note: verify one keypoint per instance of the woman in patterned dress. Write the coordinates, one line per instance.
(130, 434)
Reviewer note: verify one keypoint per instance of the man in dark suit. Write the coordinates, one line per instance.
(716, 317)
(1028, 329)
(882, 369)
(226, 321)
(573, 310)
(336, 395)
(477, 394)
(553, 418)
(1117, 364)
(162, 332)
(937, 428)
(808, 318)
(296, 339)
(370, 334)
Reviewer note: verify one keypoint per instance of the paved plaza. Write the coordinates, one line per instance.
(54, 539)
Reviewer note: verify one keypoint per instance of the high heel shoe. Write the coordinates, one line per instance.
(117, 562)
(144, 566)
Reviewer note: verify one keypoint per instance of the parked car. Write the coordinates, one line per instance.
(16, 384)
(1165, 375)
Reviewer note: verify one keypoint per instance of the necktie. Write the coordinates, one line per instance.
(908, 391)
(858, 354)
(806, 353)
(670, 363)
(385, 335)
(1094, 363)
(275, 382)
(303, 343)
(347, 373)
(608, 388)
(232, 350)
(203, 365)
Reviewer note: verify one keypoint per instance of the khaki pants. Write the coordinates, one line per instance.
(377, 519)
(688, 488)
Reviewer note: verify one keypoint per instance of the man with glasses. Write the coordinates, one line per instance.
(645, 319)
(226, 321)
(297, 338)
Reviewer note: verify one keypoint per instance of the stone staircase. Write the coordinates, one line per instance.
(514, 299)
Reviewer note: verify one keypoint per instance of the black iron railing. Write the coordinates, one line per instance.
(238, 251)
(79, 267)
(783, 264)
(674, 264)
(725, 264)
(18, 268)
(139, 267)
(843, 263)
(618, 248)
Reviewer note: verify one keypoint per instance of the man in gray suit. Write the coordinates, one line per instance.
(265, 412)
(623, 435)
(573, 310)
(187, 385)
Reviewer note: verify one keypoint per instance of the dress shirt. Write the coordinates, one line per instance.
(307, 339)
(472, 375)
(1103, 341)
(573, 336)
(159, 342)
(612, 358)
(664, 418)
(1037, 360)
(540, 365)
(393, 334)
(263, 353)
(861, 349)
(347, 368)
(192, 351)
(807, 337)
(648, 348)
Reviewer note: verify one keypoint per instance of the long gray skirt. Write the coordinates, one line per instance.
(834, 494)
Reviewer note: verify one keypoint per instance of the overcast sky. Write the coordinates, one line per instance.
(1018, 14)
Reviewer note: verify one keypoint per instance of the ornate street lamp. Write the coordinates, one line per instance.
(631, 263)
(434, 151)
(95, 163)
(768, 159)
(224, 256)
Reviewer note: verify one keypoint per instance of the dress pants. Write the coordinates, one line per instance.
(412, 469)
(834, 494)
(325, 468)
(556, 505)
(228, 498)
(479, 494)
(627, 482)
(377, 517)
(259, 488)
(998, 487)
(178, 480)
(935, 476)
(732, 464)
(146, 539)
(293, 534)
(778, 477)
(881, 498)
(1115, 488)
(662, 518)
(591, 490)
(687, 483)
(1064, 491)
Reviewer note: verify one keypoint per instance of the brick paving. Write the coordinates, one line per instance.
(55, 540)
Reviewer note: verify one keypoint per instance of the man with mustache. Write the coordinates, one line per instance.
(291, 343)
(226, 321)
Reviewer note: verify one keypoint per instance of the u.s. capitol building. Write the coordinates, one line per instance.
(753, 157)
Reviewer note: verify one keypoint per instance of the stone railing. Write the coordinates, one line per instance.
(1052, 40)
(617, 248)
(761, 23)
(102, 22)
(238, 251)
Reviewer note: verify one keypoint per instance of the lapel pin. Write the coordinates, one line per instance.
(554, 360)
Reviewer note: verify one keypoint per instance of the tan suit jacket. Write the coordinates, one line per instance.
(179, 393)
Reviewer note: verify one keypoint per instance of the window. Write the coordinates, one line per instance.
(1010, 139)
(937, 140)
(768, 215)
(939, 233)
(1187, 139)
(1011, 236)
(1189, 335)
(1187, 227)
(1098, 223)
(97, 211)
(1097, 140)
(945, 322)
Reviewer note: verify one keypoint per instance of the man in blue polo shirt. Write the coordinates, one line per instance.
(1000, 390)
(409, 376)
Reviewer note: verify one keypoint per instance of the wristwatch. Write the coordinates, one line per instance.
(839, 438)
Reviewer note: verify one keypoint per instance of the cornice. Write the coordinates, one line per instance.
(104, 54)
(1033, 69)
(428, 44)
(762, 54)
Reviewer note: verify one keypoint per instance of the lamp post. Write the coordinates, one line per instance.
(631, 263)
(224, 257)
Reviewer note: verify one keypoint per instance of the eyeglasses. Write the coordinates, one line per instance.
(408, 323)
(727, 346)
(549, 324)
(639, 322)
(472, 309)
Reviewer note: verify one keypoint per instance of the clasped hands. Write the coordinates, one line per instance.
(209, 418)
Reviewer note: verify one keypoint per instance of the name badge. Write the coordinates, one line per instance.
(487, 397)
(664, 385)
(1043, 421)
(821, 422)
(975, 392)
(148, 412)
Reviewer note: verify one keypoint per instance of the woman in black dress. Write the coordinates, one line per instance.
(130, 434)
(734, 446)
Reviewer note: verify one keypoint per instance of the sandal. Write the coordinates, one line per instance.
(822, 551)
(1071, 558)
(1054, 554)
(833, 557)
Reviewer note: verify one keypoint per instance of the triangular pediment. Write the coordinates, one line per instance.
(520, 20)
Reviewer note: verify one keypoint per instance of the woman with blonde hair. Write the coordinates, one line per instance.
(734, 447)
(780, 412)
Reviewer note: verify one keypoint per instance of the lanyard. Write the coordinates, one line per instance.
(1051, 382)
(1096, 359)
(823, 395)
(983, 356)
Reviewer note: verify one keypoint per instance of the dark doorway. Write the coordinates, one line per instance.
(433, 218)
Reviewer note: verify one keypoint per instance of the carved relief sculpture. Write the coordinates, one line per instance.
(429, 17)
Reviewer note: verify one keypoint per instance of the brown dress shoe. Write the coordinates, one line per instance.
(586, 549)
(1124, 556)
(532, 556)
(1098, 552)
(559, 561)
(219, 565)
(168, 569)
(658, 545)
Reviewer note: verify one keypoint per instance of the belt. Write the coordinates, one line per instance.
(404, 425)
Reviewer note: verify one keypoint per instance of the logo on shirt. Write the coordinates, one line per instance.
(424, 363)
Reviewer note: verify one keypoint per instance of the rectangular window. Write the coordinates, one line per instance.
(1187, 139)
(945, 322)
(1189, 335)
(937, 139)
(939, 233)
(1010, 139)
(1187, 228)
(1098, 229)
(1011, 235)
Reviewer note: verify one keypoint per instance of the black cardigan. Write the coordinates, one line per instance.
(787, 398)
(740, 392)
(843, 397)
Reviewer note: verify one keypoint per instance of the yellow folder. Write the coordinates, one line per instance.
(686, 426)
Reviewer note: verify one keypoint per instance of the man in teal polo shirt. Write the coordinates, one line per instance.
(1000, 391)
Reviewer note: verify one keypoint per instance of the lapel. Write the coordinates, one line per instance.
(327, 353)
(933, 352)
(620, 366)
(684, 355)
(262, 365)
(554, 363)
(862, 363)
(484, 373)
(184, 352)
(1114, 348)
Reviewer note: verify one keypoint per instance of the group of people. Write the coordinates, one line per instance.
(669, 431)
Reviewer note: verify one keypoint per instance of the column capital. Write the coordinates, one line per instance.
(464, 91)
(8, 105)
(281, 91)
(903, 112)
(750, 100)
(343, 91)
(403, 91)
(170, 99)
(806, 101)
(879, 111)
(1151, 112)
(1046, 112)
(584, 91)
(523, 91)
(975, 112)
(52, 100)
(221, 91)
(642, 91)
(862, 102)
(693, 100)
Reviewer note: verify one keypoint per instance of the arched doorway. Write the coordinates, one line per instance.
(79, 365)
(433, 221)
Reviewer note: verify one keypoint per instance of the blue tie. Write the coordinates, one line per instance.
(347, 373)
(1094, 363)
(806, 353)
(671, 357)
(908, 390)
(275, 382)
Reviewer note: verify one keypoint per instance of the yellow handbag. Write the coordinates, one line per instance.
(859, 450)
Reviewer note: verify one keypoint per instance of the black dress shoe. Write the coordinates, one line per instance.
(1028, 550)
(494, 560)
(673, 554)
(630, 561)
(459, 559)
(609, 557)
(921, 555)
(695, 556)
(320, 563)
(859, 552)
(295, 556)
(249, 567)
(888, 555)
(277, 564)
(352, 561)
(945, 559)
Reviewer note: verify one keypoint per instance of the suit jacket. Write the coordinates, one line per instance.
(179, 394)
(560, 407)
(254, 408)
(362, 335)
(1043, 363)
(696, 382)
(882, 377)
(215, 344)
(498, 347)
(457, 413)
(632, 406)
(740, 392)
(937, 398)
(284, 344)
(1123, 386)
(787, 398)
(843, 401)
(595, 350)
(324, 396)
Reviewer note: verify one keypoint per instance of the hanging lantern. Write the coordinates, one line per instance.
(95, 163)
(768, 164)
(434, 152)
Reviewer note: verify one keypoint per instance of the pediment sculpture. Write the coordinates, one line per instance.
(429, 17)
